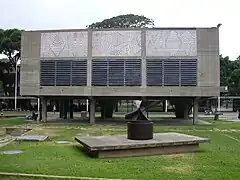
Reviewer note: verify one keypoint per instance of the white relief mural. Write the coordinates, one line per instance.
(116, 43)
(64, 44)
(171, 43)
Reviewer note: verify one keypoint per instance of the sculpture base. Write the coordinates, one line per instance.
(120, 146)
(140, 130)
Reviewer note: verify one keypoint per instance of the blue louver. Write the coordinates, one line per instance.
(79, 73)
(154, 72)
(133, 72)
(171, 72)
(47, 73)
(189, 72)
(63, 73)
(99, 73)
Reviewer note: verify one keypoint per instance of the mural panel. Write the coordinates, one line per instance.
(171, 43)
(116, 43)
(64, 44)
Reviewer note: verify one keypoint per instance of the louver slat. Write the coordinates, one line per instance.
(188, 72)
(133, 75)
(116, 72)
(154, 72)
(63, 73)
(99, 72)
(79, 73)
(47, 74)
(171, 72)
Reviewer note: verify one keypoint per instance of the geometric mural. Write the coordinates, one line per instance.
(116, 43)
(169, 43)
(64, 44)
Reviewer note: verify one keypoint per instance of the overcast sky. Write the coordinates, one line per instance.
(67, 14)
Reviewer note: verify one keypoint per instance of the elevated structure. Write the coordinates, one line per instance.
(179, 64)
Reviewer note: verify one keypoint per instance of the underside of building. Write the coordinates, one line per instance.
(176, 64)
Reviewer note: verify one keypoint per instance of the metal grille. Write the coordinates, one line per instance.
(47, 73)
(116, 73)
(154, 72)
(79, 73)
(99, 73)
(171, 72)
(63, 73)
(189, 72)
(133, 73)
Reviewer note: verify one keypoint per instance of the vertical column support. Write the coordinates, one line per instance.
(195, 110)
(61, 108)
(89, 59)
(92, 110)
(166, 105)
(65, 108)
(71, 108)
(44, 109)
(143, 56)
(186, 111)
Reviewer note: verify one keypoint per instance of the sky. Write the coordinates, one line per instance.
(70, 14)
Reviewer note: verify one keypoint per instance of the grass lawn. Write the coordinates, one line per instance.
(218, 160)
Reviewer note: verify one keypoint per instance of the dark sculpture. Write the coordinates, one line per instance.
(140, 128)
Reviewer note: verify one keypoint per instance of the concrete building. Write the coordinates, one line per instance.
(176, 64)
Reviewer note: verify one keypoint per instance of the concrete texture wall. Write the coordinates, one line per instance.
(201, 44)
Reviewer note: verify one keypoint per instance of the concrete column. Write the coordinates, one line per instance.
(219, 104)
(186, 111)
(60, 108)
(195, 110)
(92, 110)
(166, 105)
(65, 108)
(44, 109)
(71, 109)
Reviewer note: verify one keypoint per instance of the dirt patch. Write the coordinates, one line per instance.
(45, 132)
(178, 169)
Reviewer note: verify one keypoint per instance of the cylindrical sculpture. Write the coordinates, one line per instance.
(140, 130)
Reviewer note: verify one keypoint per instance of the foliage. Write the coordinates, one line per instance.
(124, 21)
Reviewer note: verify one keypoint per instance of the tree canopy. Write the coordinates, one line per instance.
(124, 21)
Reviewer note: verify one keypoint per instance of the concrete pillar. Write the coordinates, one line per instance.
(195, 110)
(71, 109)
(44, 109)
(60, 108)
(65, 108)
(219, 104)
(166, 105)
(92, 110)
(186, 111)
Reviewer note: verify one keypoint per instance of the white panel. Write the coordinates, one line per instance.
(116, 43)
(64, 44)
(171, 43)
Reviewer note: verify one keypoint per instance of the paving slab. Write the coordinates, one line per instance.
(63, 142)
(31, 138)
(11, 152)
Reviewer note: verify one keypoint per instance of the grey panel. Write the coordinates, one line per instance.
(189, 72)
(63, 73)
(116, 72)
(79, 73)
(47, 73)
(133, 73)
(99, 73)
(171, 72)
(154, 72)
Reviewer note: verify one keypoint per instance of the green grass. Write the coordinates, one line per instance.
(12, 121)
(218, 159)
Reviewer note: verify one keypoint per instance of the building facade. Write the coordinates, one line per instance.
(158, 63)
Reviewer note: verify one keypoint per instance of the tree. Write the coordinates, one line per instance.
(121, 21)
(124, 21)
(10, 45)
